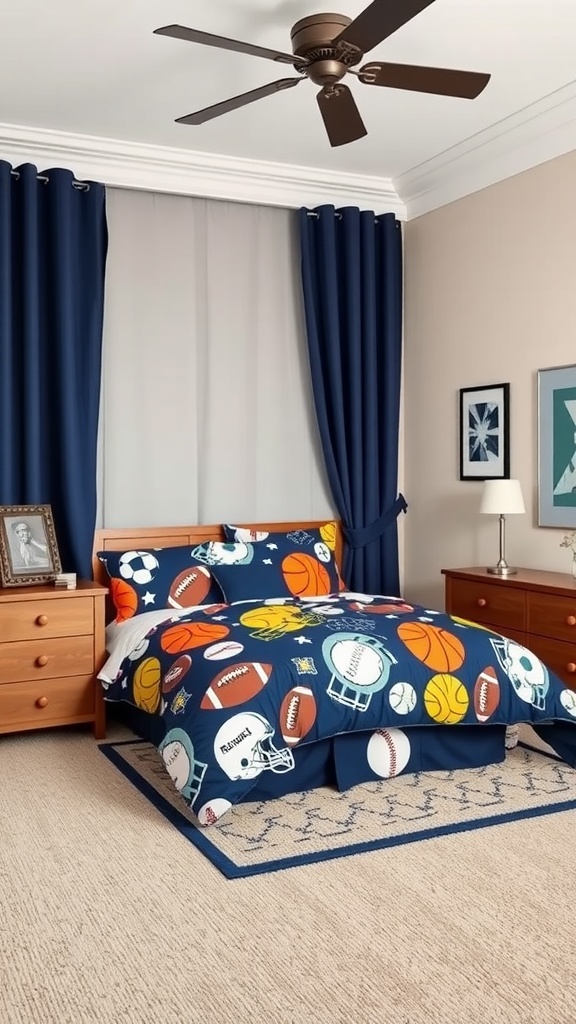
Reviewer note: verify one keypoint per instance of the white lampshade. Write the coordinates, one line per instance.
(502, 497)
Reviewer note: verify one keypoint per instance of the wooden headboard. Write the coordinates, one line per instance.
(172, 536)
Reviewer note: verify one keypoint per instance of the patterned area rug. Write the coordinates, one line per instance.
(320, 824)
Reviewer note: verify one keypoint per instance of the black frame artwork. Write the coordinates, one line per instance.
(485, 432)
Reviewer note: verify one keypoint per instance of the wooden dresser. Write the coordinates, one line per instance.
(534, 607)
(52, 644)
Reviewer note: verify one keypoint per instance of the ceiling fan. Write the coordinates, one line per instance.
(326, 47)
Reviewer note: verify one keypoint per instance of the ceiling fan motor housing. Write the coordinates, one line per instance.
(312, 39)
(317, 31)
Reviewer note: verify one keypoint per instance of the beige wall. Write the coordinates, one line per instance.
(490, 296)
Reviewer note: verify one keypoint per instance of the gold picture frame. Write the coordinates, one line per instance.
(28, 547)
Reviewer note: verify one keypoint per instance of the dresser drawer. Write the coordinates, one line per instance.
(557, 655)
(511, 634)
(34, 705)
(552, 615)
(30, 620)
(46, 659)
(487, 603)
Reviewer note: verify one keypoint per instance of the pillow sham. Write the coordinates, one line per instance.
(296, 563)
(142, 581)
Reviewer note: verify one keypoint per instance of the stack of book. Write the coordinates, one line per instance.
(65, 579)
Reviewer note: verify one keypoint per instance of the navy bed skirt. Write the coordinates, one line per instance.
(346, 760)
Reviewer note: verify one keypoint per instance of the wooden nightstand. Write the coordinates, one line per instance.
(52, 644)
(534, 607)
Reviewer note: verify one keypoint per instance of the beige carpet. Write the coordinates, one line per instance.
(108, 914)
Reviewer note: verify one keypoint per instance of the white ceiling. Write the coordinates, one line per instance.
(73, 69)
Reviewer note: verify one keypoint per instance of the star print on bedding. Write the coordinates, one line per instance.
(143, 581)
(238, 687)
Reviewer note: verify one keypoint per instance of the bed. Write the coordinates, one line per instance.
(239, 653)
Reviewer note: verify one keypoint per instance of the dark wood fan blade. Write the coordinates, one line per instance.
(340, 115)
(238, 101)
(441, 81)
(378, 21)
(192, 35)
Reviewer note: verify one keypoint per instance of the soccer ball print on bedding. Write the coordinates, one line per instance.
(139, 566)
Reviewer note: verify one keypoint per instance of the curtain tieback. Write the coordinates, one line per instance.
(363, 535)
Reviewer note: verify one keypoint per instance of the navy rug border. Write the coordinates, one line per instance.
(231, 870)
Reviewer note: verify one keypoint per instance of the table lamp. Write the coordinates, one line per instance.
(502, 498)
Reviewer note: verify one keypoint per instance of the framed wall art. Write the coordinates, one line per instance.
(557, 447)
(28, 548)
(484, 432)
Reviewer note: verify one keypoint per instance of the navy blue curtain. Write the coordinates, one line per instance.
(53, 244)
(352, 282)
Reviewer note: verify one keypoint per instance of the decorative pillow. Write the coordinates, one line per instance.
(304, 537)
(297, 563)
(142, 581)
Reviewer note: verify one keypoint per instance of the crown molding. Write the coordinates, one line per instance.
(539, 132)
(184, 172)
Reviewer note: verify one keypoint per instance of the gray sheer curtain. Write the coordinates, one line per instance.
(207, 411)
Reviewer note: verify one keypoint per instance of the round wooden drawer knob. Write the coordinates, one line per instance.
(571, 620)
(42, 660)
(42, 620)
(42, 702)
(571, 667)
(481, 602)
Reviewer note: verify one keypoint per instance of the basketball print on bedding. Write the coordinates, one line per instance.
(124, 598)
(328, 534)
(446, 699)
(187, 635)
(438, 649)
(146, 685)
(304, 575)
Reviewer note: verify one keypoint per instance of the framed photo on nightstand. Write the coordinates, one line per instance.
(28, 548)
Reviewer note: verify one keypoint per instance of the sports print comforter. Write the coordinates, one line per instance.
(239, 686)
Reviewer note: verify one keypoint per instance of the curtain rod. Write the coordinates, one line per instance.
(338, 216)
(83, 186)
